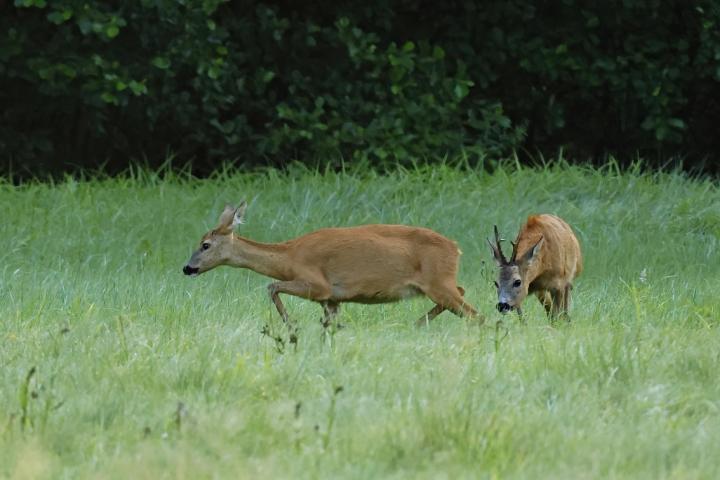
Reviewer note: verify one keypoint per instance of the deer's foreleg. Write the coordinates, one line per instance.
(330, 311)
(546, 299)
(273, 291)
(298, 288)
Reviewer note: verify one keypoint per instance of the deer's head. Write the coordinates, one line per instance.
(512, 285)
(214, 249)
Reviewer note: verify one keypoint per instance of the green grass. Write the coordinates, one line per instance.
(141, 372)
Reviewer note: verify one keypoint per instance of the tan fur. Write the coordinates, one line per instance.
(548, 273)
(364, 264)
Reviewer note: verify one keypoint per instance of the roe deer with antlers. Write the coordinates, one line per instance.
(545, 260)
(364, 264)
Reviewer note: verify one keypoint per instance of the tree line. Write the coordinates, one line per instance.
(89, 84)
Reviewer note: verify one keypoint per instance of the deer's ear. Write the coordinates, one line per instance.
(239, 214)
(226, 218)
(532, 253)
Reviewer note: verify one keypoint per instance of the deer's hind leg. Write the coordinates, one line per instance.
(437, 310)
(560, 301)
(427, 318)
(568, 297)
(447, 298)
(567, 301)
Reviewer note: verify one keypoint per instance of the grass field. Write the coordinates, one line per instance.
(115, 365)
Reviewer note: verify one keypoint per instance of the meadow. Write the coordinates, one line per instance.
(115, 365)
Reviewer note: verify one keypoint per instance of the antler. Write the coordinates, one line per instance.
(514, 250)
(498, 247)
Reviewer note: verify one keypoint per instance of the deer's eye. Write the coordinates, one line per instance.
(205, 245)
(517, 283)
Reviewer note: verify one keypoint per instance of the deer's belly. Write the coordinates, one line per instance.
(371, 296)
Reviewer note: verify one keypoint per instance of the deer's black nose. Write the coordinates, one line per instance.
(188, 270)
(503, 307)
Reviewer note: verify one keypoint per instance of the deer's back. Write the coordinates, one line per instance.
(370, 243)
(560, 256)
(375, 261)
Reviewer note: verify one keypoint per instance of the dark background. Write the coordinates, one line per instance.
(88, 85)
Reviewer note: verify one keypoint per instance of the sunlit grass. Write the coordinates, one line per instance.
(142, 372)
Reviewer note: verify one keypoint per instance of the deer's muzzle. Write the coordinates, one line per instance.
(503, 307)
(188, 270)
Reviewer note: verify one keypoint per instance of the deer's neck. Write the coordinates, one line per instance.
(536, 267)
(269, 259)
(533, 271)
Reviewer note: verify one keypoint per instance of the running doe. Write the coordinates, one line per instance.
(364, 264)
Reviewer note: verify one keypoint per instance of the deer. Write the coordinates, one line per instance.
(545, 260)
(366, 264)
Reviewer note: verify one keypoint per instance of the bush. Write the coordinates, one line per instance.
(89, 83)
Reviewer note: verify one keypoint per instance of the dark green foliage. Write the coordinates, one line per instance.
(88, 83)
